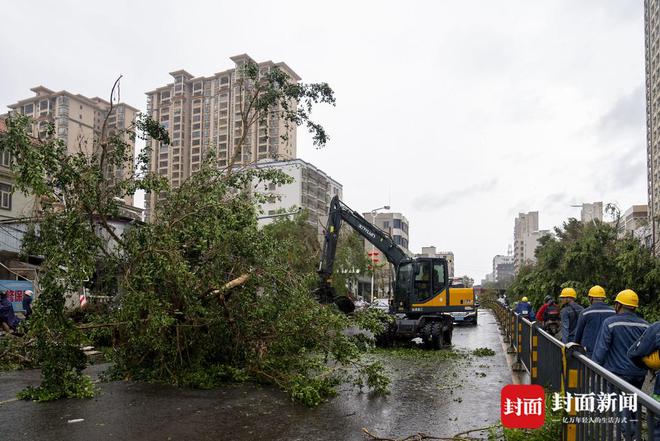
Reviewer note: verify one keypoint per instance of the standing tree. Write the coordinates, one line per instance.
(581, 255)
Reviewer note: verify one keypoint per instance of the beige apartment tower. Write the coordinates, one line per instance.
(652, 51)
(77, 120)
(204, 113)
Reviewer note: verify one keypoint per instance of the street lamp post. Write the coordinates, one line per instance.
(373, 249)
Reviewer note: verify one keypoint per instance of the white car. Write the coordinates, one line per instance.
(467, 316)
(381, 304)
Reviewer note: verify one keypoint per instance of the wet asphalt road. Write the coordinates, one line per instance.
(430, 395)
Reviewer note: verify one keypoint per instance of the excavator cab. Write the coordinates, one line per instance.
(422, 281)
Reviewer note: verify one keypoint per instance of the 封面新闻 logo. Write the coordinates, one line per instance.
(522, 406)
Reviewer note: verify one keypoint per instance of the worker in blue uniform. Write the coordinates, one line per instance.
(524, 308)
(570, 311)
(590, 319)
(8, 320)
(617, 334)
(645, 352)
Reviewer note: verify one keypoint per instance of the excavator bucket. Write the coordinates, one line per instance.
(345, 304)
(327, 294)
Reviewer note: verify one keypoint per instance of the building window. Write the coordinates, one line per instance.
(5, 196)
(396, 223)
(5, 158)
(28, 109)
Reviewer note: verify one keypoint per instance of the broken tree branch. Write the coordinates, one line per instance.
(423, 436)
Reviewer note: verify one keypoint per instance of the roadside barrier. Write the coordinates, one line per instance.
(586, 387)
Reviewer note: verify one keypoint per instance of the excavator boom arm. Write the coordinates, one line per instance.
(339, 213)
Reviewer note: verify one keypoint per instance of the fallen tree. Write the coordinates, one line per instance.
(202, 294)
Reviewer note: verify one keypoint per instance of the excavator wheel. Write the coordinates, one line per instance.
(427, 335)
(437, 336)
(446, 336)
(386, 338)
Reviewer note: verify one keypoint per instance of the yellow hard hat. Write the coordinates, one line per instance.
(568, 292)
(652, 361)
(524, 299)
(628, 297)
(597, 291)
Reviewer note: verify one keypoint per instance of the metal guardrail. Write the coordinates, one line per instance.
(548, 372)
(525, 328)
(584, 377)
(565, 369)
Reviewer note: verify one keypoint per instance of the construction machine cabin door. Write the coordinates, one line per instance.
(421, 284)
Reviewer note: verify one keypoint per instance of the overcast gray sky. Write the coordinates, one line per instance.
(460, 114)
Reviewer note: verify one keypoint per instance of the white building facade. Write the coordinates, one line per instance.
(312, 189)
(591, 212)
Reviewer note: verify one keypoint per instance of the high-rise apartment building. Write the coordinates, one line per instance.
(652, 52)
(78, 121)
(203, 113)
(311, 189)
(526, 235)
(13, 203)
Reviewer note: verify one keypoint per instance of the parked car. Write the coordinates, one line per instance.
(381, 304)
(467, 316)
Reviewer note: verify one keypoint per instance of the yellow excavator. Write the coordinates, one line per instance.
(423, 298)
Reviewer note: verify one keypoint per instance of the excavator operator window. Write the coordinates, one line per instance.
(404, 282)
(438, 277)
(423, 280)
